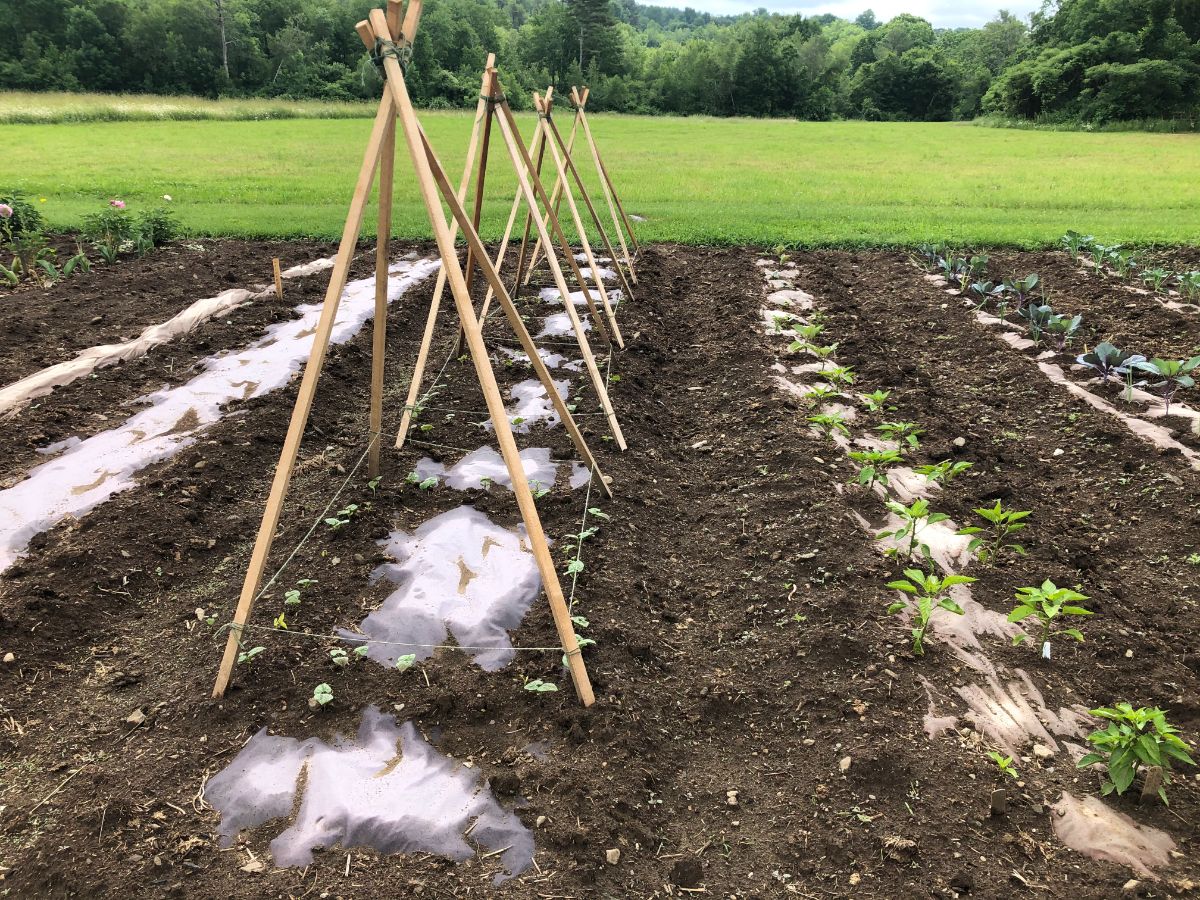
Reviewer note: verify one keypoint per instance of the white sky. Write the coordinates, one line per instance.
(942, 13)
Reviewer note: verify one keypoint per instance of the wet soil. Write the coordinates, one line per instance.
(738, 609)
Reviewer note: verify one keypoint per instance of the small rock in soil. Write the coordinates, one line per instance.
(613, 856)
(844, 765)
(137, 717)
(687, 873)
(731, 797)
(10, 657)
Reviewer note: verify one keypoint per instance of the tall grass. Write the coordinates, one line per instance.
(1150, 125)
(32, 108)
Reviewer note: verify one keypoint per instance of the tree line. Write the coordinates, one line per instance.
(1084, 61)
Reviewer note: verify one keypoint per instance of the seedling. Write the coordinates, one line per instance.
(1109, 360)
(1048, 604)
(1133, 738)
(874, 401)
(912, 520)
(1189, 284)
(1076, 243)
(839, 374)
(540, 687)
(1099, 255)
(874, 465)
(538, 490)
(1124, 262)
(822, 353)
(1175, 376)
(1004, 523)
(1064, 329)
(902, 433)
(828, 423)
(1003, 763)
(930, 592)
(249, 655)
(1155, 278)
(821, 391)
(1039, 316)
(373, 484)
(943, 472)
(342, 517)
(806, 333)
(340, 658)
(986, 290)
(405, 662)
(322, 695)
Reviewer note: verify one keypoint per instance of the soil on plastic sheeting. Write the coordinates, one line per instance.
(113, 302)
(758, 724)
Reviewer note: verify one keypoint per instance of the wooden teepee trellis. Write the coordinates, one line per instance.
(390, 37)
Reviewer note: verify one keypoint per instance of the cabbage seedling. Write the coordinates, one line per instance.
(1189, 284)
(1064, 328)
(1076, 243)
(874, 465)
(1123, 261)
(902, 433)
(1175, 375)
(1048, 604)
(913, 519)
(1108, 360)
(930, 592)
(1022, 288)
(1004, 523)
(1039, 316)
(1133, 738)
(1155, 278)
(943, 472)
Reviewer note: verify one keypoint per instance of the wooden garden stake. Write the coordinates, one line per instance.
(398, 92)
(606, 185)
(482, 110)
(1151, 784)
(555, 196)
(304, 397)
(387, 165)
(278, 278)
(560, 168)
(999, 802)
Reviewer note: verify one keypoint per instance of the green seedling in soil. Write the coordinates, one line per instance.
(322, 696)
(874, 401)
(249, 655)
(1076, 243)
(1003, 763)
(1134, 738)
(873, 465)
(540, 687)
(601, 514)
(291, 598)
(839, 374)
(424, 485)
(902, 433)
(405, 662)
(1175, 375)
(1048, 605)
(1063, 328)
(822, 353)
(828, 423)
(582, 642)
(1123, 262)
(819, 392)
(1099, 255)
(929, 592)
(373, 484)
(808, 333)
(1189, 284)
(280, 621)
(1155, 278)
(913, 518)
(984, 291)
(943, 472)
(1004, 523)
(340, 658)
(342, 517)
(1109, 360)
(1038, 315)
(538, 491)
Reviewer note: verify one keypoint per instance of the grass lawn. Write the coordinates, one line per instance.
(694, 180)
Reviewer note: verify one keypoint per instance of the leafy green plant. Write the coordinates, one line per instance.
(1047, 605)
(902, 433)
(1076, 243)
(929, 592)
(820, 392)
(1175, 375)
(829, 423)
(340, 658)
(22, 215)
(874, 401)
(1038, 315)
(1004, 764)
(109, 230)
(1064, 329)
(1123, 262)
(943, 472)
(1109, 360)
(873, 465)
(1134, 738)
(1100, 255)
(342, 517)
(322, 695)
(155, 227)
(993, 542)
(1155, 278)
(540, 687)
(405, 662)
(250, 655)
(1189, 284)
(912, 520)
(839, 375)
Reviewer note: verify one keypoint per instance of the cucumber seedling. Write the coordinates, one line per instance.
(929, 592)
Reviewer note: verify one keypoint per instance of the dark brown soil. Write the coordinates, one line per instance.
(726, 525)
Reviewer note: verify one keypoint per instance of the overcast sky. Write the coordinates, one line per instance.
(942, 13)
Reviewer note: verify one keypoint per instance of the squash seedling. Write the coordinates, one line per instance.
(405, 662)
(1048, 605)
(1131, 739)
(1004, 523)
(873, 465)
(540, 687)
(929, 592)
(912, 519)
(943, 472)
(322, 695)
(249, 655)
(342, 517)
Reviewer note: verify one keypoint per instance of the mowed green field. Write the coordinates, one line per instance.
(698, 180)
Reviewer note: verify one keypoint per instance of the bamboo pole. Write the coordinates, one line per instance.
(387, 165)
(533, 191)
(576, 220)
(398, 93)
(304, 398)
(482, 111)
(610, 196)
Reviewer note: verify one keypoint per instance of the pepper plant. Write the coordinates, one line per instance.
(993, 542)
(929, 592)
(943, 472)
(1048, 605)
(902, 433)
(873, 465)
(912, 520)
(1134, 738)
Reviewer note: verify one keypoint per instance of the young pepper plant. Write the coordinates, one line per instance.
(873, 465)
(912, 519)
(1004, 523)
(1048, 605)
(929, 592)
(1134, 738)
